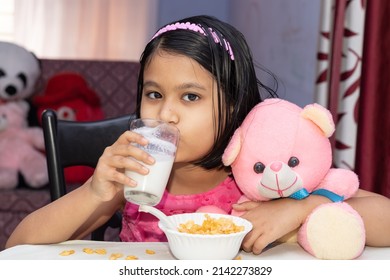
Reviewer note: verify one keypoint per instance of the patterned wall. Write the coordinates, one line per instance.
(114, 81)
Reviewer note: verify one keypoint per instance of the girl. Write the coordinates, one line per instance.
(198, 75)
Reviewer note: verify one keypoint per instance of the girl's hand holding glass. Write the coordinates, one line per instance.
(109, 177)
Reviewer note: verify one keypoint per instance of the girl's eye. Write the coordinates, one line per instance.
(154, 95)
(190, 97)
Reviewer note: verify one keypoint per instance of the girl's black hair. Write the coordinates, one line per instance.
(238, 87)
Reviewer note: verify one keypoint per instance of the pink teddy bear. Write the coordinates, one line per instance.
(21, 148)
(282, 150)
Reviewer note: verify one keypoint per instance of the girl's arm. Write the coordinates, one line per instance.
(273, 219)
(70, 217)
(375, 211)
(78, 213)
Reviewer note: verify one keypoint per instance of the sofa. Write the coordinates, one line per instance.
(115, 82)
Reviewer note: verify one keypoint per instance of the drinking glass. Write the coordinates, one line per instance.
(163, 140)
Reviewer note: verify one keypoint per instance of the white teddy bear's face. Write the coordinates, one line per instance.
(19, 72)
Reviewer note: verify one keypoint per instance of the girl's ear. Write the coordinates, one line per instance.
(233, 148)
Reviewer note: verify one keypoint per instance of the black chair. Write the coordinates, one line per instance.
(69, 143)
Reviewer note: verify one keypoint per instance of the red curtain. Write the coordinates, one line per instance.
(373, 138)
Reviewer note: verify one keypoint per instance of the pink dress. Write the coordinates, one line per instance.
(142, 227)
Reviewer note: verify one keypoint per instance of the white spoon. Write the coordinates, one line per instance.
(160, 215)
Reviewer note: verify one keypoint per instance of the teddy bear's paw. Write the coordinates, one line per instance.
(333, 231)
(8, 178)
(38, 180)
(37, 177)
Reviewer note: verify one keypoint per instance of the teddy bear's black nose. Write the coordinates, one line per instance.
(11, 90)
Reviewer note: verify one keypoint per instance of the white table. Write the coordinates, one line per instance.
(285, 251)
(284, 261)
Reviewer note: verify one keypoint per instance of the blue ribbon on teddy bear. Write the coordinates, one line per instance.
(303, 193)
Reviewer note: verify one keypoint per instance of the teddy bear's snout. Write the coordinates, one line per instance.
(276, 166)
(11, 90)
(279, 180)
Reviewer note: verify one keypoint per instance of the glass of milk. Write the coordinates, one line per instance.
(163, 140)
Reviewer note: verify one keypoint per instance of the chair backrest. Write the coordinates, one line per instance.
(69, 143)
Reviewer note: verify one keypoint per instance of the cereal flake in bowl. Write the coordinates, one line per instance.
(201, 236)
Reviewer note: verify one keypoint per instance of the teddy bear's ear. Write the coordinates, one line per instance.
(232, 149)
(319, 116)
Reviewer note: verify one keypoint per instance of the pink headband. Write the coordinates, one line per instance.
(196, 28)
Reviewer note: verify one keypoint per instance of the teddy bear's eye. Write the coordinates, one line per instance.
(258, 167)
(23, 78)
(293, 161)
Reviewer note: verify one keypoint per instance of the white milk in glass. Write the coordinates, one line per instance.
(150, 187)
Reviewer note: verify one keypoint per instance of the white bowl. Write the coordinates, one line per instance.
(187, 246)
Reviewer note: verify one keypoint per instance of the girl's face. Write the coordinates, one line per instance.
(176, 89)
